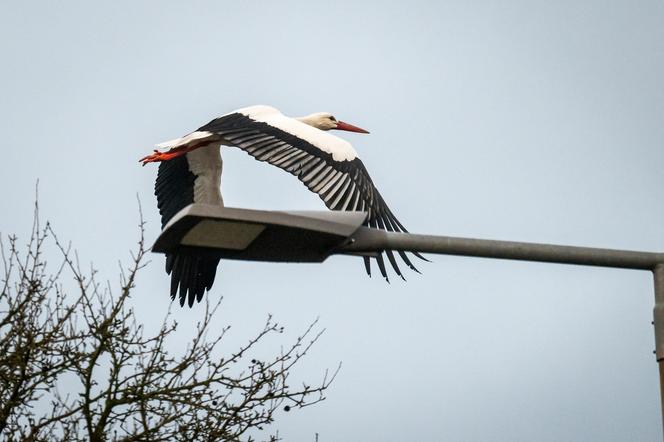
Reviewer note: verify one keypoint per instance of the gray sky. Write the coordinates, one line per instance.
(532, 121)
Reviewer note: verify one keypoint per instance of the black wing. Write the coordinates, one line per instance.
(174, 189)
(342, 185)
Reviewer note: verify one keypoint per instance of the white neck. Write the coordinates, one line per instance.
(318, 120)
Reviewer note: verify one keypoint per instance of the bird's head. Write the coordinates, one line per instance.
(326, 121)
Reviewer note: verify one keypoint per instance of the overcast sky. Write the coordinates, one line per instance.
(519, 120)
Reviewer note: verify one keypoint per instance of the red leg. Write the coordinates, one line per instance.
(165, 156)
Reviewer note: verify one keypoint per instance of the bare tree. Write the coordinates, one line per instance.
(79, 365)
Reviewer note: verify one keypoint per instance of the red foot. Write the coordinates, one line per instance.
(161, 156)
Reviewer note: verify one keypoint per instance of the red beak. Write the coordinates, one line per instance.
(350, 128)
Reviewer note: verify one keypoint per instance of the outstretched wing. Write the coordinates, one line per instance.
(326, 164)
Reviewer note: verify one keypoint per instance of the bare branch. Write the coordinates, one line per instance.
(121, 383)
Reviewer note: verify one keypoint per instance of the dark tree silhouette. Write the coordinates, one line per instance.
(78, 365)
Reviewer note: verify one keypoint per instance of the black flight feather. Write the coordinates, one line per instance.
(191, 275)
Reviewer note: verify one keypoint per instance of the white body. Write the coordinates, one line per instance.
(206, 164)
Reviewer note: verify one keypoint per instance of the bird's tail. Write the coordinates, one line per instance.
(193, 275)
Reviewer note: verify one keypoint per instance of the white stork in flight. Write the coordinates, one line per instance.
(190, 172)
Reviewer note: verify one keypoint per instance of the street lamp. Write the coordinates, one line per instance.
(258, 235)
(312, 236)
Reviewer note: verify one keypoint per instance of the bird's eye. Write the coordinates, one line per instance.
(332, 118)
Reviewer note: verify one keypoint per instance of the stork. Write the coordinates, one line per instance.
(191, 166)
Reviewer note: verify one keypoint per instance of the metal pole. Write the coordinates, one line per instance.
(658, 322)
(367, 240)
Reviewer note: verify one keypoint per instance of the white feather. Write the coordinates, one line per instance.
(340, 149)
(194, 136)
(205, 162)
